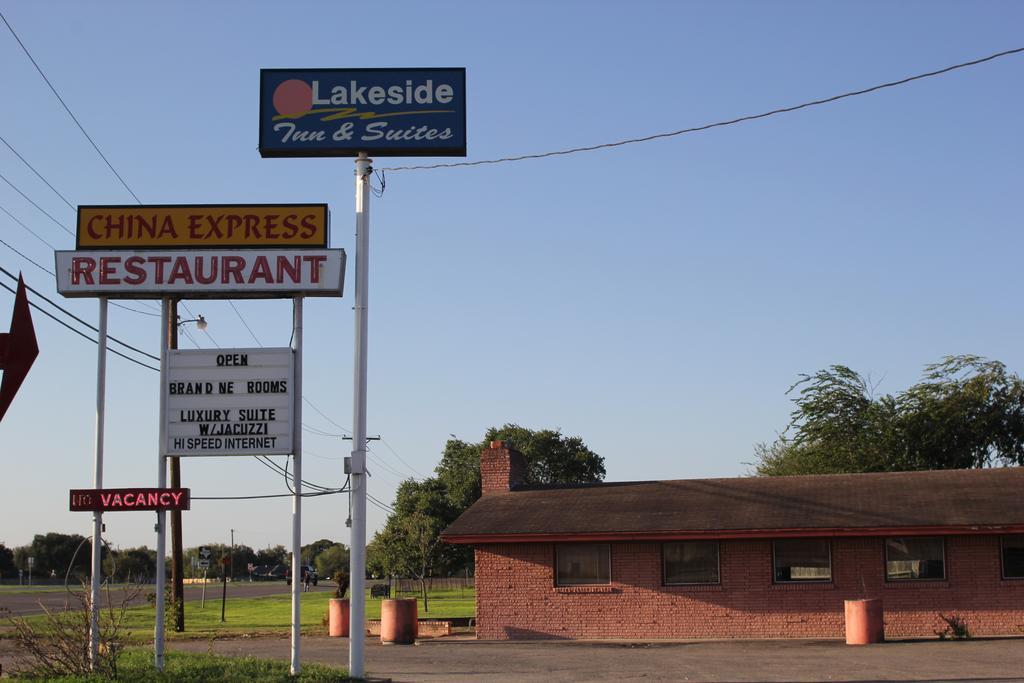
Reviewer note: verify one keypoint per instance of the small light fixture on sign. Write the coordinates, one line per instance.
(200, 322)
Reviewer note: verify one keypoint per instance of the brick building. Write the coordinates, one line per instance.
(756, 557)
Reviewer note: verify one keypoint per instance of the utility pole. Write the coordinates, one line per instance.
(177, 553)
(232, 554)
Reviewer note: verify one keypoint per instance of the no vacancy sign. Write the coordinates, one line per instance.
(229, 402)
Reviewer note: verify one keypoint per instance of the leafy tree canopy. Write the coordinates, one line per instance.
(551, 458)
(965, 412)
(7, 567)
(409, 544)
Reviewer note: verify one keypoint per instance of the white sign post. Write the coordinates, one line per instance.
(230, 402)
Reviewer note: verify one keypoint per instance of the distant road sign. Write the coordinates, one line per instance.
(205, 552)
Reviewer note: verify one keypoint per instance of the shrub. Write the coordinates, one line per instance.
(956, 628)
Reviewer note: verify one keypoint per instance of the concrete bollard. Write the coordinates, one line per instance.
(399, 624)
(338, 618)
(864, 621)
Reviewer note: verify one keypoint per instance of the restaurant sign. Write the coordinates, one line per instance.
(383, 112)
(196, 274)
(210, 226)
(114, 500)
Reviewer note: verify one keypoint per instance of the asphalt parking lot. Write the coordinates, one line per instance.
(465, 660)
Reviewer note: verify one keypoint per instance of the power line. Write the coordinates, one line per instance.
(324, 416)
(133, 310)
(76, 318)
(38, 174)
(253, 334)
(30, 230)
(34, 263)
(79, 332)
(719, 124)
(271, 495)
(66, 108)
(383, 506)
(401, 459)
(41, 209)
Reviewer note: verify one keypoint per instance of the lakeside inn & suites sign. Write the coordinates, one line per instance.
(382, 112)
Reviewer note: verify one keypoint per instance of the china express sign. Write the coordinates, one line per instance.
(384, 112)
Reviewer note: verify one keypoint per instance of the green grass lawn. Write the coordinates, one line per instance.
(273, 613)
(137, 665)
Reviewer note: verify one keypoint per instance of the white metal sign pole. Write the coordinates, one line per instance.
(97, 483)
(357, 622)
(161, 515)
(297, 480)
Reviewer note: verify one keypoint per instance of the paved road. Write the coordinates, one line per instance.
(26, 603)
(455, 661)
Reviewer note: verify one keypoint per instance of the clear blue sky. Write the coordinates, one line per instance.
(656, 299)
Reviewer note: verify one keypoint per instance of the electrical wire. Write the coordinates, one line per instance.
(30, 230)
(134, 310)
(30, 260)
(251, 333)
(41, 209)
(66, 108)
(271, 495)
(38, 174)
(267, 462)
(75, 317)
(401, 459)
(79, 332)
(383, 506)
(324, 416)
(719, 124)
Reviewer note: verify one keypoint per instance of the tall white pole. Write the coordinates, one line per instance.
(97, 483)
(297, 477)
(357, 623)
(161, 515)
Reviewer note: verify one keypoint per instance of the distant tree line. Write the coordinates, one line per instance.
(60, 555)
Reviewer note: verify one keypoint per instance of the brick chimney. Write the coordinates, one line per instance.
(502, 468)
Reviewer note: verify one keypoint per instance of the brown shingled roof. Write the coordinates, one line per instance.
(945, 501)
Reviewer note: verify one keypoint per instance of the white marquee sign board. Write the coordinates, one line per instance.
(229, 402)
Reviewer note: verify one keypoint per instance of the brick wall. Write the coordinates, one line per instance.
(516, 596)
(501, 468)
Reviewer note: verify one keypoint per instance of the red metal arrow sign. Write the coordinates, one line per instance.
(18, 349)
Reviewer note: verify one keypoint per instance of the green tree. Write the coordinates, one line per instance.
(332, 560)
(965, 412)
(136, 564)
(551, 458)
(7, 566)
(272, 555)
(65, 554)
(409, 544)
(311, 551)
